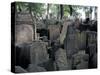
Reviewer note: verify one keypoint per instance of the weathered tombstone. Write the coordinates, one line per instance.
(19, 69)
(92, 48)
(23, 34)
(81, 40)
(35, 68)
(38, 52)
(74, 41)
(92, 37)
(61, 62)
(54, 32)
(70, 44)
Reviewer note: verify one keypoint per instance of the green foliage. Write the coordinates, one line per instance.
(36, 7)
(66, 10)
(33, 7)
(40, 9)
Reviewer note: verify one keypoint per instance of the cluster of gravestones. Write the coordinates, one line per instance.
(78, 50)
(81, 46)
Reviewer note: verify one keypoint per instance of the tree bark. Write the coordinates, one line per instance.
(71, 10)
(34, 23)
(90, 14)
(61, 11)
(58, 16)
(48, 11)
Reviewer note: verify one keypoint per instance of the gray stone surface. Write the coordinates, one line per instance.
(82, 65)
(35, 68)
(92, 49)
(92, 37)
(23, 34)
(54, 32)
(74, 41)
(19, 69)
(80, 60)
(61, 59)
(38, 52)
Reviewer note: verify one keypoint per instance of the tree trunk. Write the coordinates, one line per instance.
(58, 9)
(90, 14)
(34, 23)
(61, 11)
(71, 10)
(95, 13)
(48, 11)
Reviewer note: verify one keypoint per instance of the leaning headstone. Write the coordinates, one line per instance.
(61, 60)
(64, 31)
(38, 52)
(19, 69)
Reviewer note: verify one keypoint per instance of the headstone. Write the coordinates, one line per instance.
(38, 52)
(23, 34)
(81, 40)
(92, 49)
(61, 62)
(64, 31)
(92, 37)
(92, 42)
(54, 32)
(74, 41)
